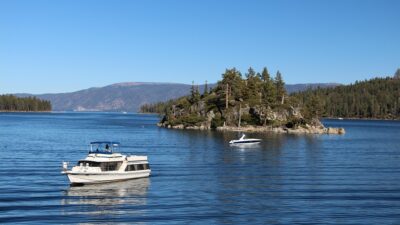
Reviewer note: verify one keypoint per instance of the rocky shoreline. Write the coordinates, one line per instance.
(261, 129)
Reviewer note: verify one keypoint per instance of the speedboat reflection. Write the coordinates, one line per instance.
(245, 146)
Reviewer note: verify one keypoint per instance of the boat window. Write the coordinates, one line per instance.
(91, 164)
(110, 166)
(140, 167)
(137, 167)
(130, 168)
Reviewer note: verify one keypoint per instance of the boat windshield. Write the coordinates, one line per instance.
(105, 147)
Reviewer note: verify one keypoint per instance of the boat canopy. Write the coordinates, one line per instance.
(103, 147)
(114, 143)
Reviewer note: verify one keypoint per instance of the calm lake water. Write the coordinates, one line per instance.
(197, 178)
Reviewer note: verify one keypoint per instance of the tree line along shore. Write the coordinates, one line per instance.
(11, 103)
(378, 98)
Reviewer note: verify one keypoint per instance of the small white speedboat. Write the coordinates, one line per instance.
(243, 140)
(103, 165)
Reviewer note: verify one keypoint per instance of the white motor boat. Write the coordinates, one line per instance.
(104, 165)
(243, 140)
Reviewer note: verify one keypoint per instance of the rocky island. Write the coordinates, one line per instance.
(256, 103)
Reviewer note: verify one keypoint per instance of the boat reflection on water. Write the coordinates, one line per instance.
(110, 197)
(245, 146)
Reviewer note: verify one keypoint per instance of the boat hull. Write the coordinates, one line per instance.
(95, 178)
(245, 142)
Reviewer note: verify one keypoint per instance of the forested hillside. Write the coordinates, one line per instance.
(28, 104)
(375, 98)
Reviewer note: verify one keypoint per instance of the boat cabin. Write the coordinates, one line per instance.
(115, 166)
(104, 166)
(103, 158)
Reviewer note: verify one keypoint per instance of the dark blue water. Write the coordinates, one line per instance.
(197, 177)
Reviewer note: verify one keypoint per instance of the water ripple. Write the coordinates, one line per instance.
(197, 177)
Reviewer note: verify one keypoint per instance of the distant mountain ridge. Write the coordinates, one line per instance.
(129, 96)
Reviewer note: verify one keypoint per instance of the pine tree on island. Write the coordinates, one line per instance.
(397, 74)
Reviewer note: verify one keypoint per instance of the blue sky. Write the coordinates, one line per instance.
(62, 46)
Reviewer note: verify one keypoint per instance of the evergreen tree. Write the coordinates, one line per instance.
(205, 93)
(250, 73)
(194, 93)
(315, 106)
(280, 87)
(252, 91)
(268, 89)
(397, 74)
(232, 85)
(265, 75)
